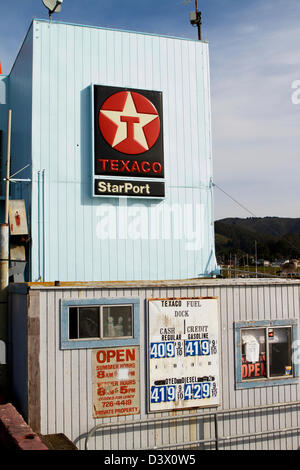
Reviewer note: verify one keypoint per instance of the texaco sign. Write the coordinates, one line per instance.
(128, 142)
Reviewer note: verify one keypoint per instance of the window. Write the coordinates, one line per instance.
(117, 321)
(264, 353)
(99, 323)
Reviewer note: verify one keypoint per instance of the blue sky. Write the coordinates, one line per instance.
(255, 62)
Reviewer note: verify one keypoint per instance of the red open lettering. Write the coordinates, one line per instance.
(121, 355)
(110, 354)
(101, 356)
(130, 354)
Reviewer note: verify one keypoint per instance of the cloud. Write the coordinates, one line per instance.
(256, 127)
(255, 57)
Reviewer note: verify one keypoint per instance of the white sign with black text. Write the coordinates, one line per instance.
(183, 353)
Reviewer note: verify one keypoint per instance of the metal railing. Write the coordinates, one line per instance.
(235, 272)
(216, 415)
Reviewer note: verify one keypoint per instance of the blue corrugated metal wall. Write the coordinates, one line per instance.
(69, 242)
(20, 103)
(3, 102)
(3, 129)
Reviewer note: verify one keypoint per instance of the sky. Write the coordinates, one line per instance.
(255, 85)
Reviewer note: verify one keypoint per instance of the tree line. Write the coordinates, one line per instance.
(269, 238)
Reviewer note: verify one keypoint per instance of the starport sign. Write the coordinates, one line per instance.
(128, 157)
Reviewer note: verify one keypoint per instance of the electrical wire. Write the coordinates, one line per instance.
(253, 215)
(234, 200)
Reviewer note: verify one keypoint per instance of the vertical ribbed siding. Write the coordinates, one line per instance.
(19, 100)
(3, 127)
(67, 60)
(66, 376)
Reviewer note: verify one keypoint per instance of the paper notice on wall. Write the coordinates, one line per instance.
(252, 349)
(116, 382)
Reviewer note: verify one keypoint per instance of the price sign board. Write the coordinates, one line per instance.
(116, 381)
(183, 353)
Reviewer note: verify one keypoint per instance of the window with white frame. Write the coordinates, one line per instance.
(264, 352)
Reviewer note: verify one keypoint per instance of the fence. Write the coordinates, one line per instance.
(212, 419)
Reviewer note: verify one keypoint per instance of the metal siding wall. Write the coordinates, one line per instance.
(3, 109)
(3, 128)
(67, 381)
(18, 349)
(67, 59)
(268, 302)
(20, 102)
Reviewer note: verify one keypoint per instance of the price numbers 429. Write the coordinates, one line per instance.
(195, 391)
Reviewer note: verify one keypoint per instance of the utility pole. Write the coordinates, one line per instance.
(196, 19)
(4, 263)
(255, 258)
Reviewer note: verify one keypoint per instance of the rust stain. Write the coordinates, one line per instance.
(124, 283)
(166, 320)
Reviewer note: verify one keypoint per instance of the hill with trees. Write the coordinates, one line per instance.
(268, 238)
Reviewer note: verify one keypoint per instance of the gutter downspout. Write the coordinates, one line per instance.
(4, 266)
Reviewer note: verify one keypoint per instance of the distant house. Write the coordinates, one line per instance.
(263, 262)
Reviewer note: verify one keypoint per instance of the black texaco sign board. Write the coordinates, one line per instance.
(128, 137)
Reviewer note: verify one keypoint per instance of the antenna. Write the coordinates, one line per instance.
(54, 6)
(196, 19)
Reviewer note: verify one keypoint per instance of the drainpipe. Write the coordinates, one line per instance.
(4, 262)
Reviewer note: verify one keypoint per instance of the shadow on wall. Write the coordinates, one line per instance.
(2, 353)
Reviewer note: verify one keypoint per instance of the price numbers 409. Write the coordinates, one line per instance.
(162, 350)
(192, 348)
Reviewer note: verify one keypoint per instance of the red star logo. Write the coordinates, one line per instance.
(129, 122)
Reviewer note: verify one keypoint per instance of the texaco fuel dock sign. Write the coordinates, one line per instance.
(183, 353)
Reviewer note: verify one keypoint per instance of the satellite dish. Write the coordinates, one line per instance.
(54, 6)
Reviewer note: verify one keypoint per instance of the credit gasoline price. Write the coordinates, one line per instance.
(192, 348)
